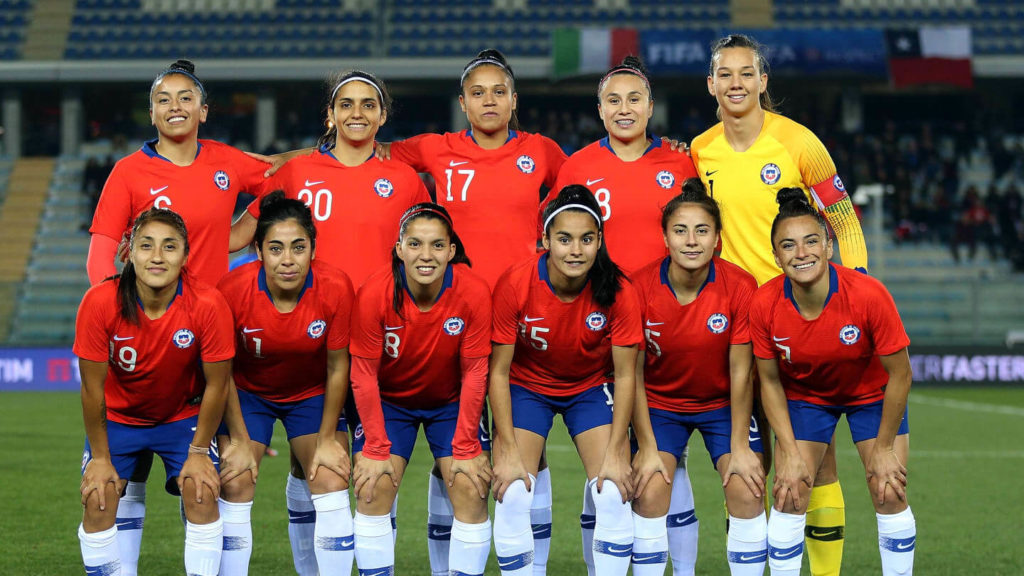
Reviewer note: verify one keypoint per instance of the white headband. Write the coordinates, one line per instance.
(569, 207)
(358, 79)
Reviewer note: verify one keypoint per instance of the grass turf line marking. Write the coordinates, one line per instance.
(965, 405)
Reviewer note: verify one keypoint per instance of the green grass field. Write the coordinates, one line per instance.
(965, 489)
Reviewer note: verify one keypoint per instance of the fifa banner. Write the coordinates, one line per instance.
(57, 368)
(789, 51)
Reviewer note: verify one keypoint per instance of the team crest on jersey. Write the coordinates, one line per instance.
(221, 180)
(718, 323)
(358, 433)
(770, 174)
(383, 187)
(849, 334)
(665, 179)
(453, 326)
(526, 164)
(184, 338)
(316, 329)
(837, 183)
(596, 321)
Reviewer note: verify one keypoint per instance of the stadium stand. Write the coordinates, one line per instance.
(13, 23)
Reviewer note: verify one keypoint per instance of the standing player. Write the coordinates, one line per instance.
(744, 160)
(155, 353)
(199, 179)
(291, 316)
(695, 375)
(633, 176)
(563, 322)
(828, 342)
(489, 177)
(421, 339)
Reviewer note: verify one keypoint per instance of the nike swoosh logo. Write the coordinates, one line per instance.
(155, 191)
(251, 330)
(505, 564)
(684, 519)
(753, 438)
(745, 558)
(440, 533)
(308, 183)
(786, 554)
(386, 327)
(453, 163)
(120, 524)
(594, 181)
(528, 319)
(347, 543)
(640, 558)
(823, 533)
(710, 172)
(905, 546)
(649, 323)
(614, 550)
(122, 338)
(780, 339)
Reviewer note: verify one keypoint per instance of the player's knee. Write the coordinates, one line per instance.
(241, 488)
(327, 481)
(467, 504)
(517, 497)
(655, 499)
(608, 500)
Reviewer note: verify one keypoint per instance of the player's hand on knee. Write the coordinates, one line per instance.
(885, 470)
(508, 467)
(646, 464)
(98, 473)
(792, 482)
(745, 464)
(331, 454)
(476, 469)
(616, 468)
(236, 458)
(200, 469)
(368, 472)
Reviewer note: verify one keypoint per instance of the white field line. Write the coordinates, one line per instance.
(916, 398)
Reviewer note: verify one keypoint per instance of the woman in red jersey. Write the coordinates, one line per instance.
(695, 375)
(155, 353)
(829, 341)
(563, 322)
(291, 316)
(420, 344)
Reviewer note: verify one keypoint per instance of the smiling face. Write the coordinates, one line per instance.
(357, 113)
(691, 237)
(488, 99)
(286, 253)
(176, 107)
(802, 249)
(625, 107)
(158, 254)
(572, 241)
(426, 249)
(737, 81)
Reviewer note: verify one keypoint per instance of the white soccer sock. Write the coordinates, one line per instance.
(613, 531)
(513, 537)
(301, 524)
(100, 553)
(682, 523)
(785, 543)
(439, 525)
(375, 545)
(650, 546)
(203, 544)
(747, 545)
(587, 518)
(333, 541)
(897, 535)
(540, 522)
(394, 519)
(470, 546)
(131, 515)
(234, 560)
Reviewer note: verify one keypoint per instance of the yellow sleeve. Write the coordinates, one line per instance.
(852, 249)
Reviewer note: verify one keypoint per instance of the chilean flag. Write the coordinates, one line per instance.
(930, 55)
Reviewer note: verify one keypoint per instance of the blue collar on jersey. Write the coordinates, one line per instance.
(511, 134)
(664, 275)
(176, 294)
(261, 281)
(449, 274)
(655, 143)
(327, 147)
(149, 149)
(542, 271)
(833, 287)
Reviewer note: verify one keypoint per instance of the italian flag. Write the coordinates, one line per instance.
(591, 50)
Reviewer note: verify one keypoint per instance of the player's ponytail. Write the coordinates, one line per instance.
(417, 211)
(127, 288)
(492, 57)
(793, 204)
(185, 68)
(339, 79)
(694, 192)
(743, 41)
(604, 275)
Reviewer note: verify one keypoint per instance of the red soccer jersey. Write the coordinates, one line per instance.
(832, 360)
(686, 368)
(202, 193)
(488, 190)
(631, 195)
(154, 373)
(282, 356)
(561, 348)
(419, 351)
(358, 232)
